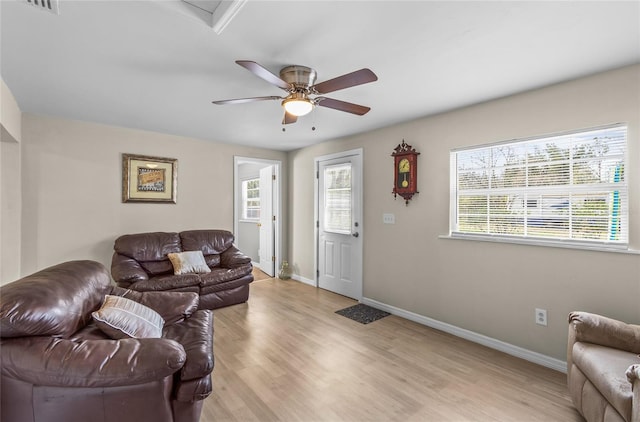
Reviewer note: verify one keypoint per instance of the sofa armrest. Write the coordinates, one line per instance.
(233, 257)
(173, 307)
(126, 271)
(196, 336)
(597, 329)
(91, 363)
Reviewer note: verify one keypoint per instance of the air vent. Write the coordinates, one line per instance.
(48, 5)
(218, 12)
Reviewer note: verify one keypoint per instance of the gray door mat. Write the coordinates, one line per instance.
(362, 313)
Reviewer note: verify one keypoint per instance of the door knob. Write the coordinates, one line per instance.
(355, 234)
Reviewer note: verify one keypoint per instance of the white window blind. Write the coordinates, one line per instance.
(569, 187)
(337, 198)
(251, 199)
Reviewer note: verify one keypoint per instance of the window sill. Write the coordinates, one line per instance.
(538, 242)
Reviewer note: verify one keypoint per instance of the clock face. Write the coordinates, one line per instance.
(404, 166)
(404, 175)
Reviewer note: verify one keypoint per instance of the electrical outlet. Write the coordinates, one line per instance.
(389, 218)
(541, 316)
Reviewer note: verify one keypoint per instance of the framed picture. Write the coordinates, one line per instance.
(149, 179)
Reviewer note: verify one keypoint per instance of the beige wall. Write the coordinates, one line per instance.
(488, 288)
(10, 185)
(72, 206)
(10, 208)
(71, 196)
(10, 114)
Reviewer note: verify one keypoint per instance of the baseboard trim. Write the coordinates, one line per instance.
(304, 280)
(510, 349)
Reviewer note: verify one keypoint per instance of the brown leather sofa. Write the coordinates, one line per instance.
(58, 366)
(603, 368)
(140, 263)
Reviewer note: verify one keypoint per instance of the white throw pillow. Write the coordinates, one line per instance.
(190, 262)
(120, 317)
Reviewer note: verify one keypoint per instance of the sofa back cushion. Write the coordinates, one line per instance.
(154, 268)
(211, 242)
(56, 301)
(150, 250)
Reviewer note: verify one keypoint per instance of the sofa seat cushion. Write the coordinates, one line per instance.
(195, 334)
(166, 282)
(223, 275)
(605, 368)
(228, 285)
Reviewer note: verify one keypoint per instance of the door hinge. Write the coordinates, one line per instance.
(273, 259)
(273, 177)
(318, 224)
(274, 218)
(317, 273)
(317, 174)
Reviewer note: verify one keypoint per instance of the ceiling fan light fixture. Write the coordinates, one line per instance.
(298, 104)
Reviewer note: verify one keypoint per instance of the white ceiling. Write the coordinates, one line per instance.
(147, 65)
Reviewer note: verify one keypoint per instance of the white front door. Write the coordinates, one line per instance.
(266, 251)
(339, 224)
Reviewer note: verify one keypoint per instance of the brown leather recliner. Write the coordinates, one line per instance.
(57, 365)
(140, 263)
(603, 368)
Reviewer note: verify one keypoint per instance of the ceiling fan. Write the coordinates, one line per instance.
(299, 82)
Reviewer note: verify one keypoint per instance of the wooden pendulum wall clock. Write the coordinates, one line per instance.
(405, 171)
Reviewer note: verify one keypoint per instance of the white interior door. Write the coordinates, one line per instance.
(267, 224)
(339, 225)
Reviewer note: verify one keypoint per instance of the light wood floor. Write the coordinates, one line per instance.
(286, 356)
(259, 275)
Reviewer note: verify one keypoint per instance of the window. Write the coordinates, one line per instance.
(568, 188)
(251, 199)
(337, 199)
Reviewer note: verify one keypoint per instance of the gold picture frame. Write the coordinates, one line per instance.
(149, 179)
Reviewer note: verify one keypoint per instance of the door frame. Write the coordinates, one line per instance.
(316, 211)
(276, 205)
(266, 227)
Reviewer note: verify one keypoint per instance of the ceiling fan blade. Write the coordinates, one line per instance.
(263, 73)
(289, 118)
(342, 106)
(245, 100)
(358, 77)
